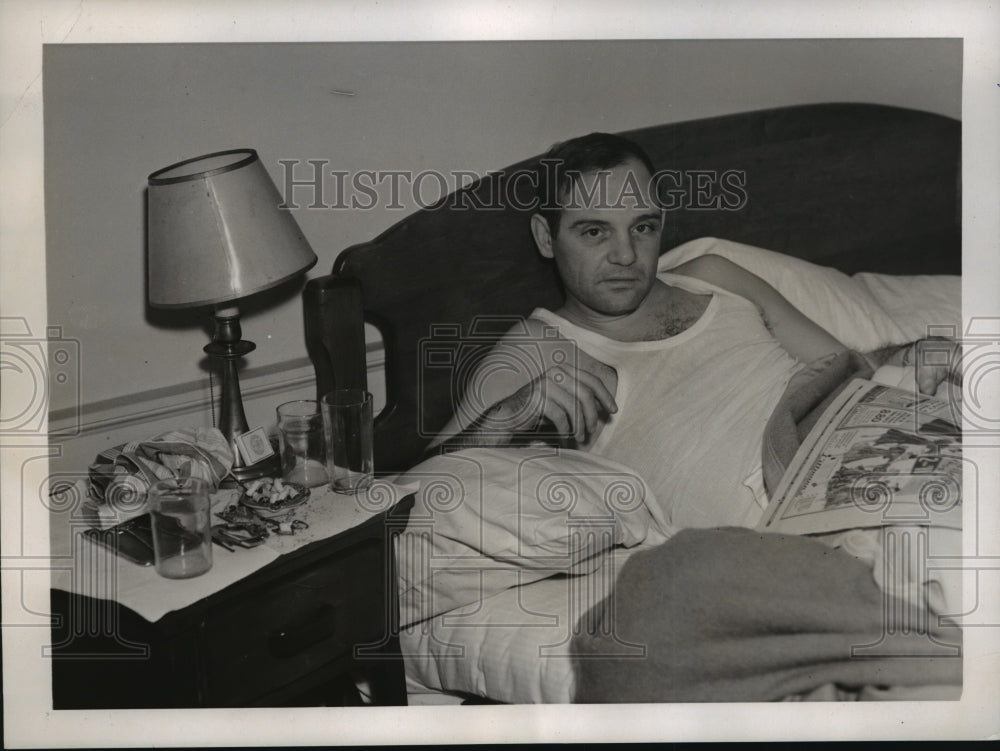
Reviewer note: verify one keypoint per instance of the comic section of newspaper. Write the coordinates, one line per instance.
(878, 456)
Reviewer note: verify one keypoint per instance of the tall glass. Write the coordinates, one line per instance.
(181, 513)
(347, 425)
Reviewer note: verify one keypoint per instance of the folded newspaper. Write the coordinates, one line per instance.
(878, 456)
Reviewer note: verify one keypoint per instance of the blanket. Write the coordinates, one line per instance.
(736, 615)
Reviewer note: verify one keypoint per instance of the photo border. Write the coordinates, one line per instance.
(26, 26)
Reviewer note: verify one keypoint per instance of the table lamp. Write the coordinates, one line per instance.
(216, 236)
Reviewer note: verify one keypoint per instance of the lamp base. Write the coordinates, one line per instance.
(228, 347)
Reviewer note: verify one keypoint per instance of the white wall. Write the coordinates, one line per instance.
(115, 113)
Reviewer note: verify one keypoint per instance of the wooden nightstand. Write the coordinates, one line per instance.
(297, 632)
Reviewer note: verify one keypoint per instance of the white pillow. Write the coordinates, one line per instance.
(921, 305)
(842, 305)
(488, 519)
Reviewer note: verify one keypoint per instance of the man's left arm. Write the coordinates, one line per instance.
(804, 339)
(933, 358)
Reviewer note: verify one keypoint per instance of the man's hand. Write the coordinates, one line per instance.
(935, 360)
(575, 398)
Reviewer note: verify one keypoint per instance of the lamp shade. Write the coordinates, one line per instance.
(216, 232)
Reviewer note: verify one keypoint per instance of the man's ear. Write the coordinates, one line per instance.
(543, 238)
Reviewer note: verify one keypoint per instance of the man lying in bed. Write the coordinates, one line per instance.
(673, 374)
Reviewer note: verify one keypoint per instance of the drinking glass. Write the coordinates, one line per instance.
(300, 434)
(181, 512)
(347, 425)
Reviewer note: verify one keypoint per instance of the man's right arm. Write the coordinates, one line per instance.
(573, 400)
(527, 386)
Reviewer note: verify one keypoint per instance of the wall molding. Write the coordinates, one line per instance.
(141, 407)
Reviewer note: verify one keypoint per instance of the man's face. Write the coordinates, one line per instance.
(608, 242)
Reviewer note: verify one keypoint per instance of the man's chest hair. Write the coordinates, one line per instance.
(678, 312)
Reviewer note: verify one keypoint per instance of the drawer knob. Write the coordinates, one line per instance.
(294, 639)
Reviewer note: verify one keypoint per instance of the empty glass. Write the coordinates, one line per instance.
(181, 512)
(303, 452)
(347, 425)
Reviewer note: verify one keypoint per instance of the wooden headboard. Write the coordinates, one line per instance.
(855, 186)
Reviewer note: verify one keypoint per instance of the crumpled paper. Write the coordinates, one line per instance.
(120, 477)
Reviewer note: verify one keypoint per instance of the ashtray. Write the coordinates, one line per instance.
(270, 497)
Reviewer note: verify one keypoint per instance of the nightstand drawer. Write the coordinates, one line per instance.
(306, 624)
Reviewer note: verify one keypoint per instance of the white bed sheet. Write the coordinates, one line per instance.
(511, 647)
(514, 646)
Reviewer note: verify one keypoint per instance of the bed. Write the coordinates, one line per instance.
(853, 213)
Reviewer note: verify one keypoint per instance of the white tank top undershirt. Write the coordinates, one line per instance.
(692, 407)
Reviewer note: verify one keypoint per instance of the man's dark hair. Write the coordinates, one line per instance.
(566, 161)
